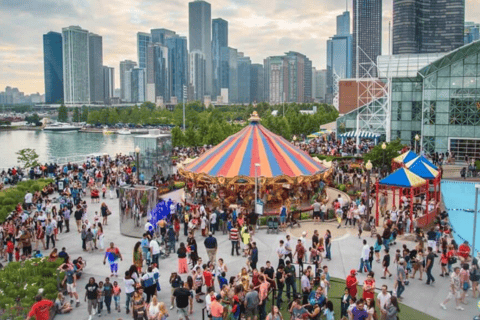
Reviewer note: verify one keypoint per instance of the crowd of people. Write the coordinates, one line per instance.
(328, 144)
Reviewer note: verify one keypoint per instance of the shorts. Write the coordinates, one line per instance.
(251, 312)
(198, 290)
(283, 219)
(182, 313)
(71, 288)
(316, 214)
(456, 295)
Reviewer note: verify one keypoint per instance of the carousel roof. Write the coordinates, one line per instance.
(403, 178)
(238, 154)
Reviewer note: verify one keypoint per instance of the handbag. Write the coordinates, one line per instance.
(466, 285)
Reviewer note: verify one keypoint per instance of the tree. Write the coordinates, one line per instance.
(84, 116)
(177, 137)
(76, 115)
(34, 118)
(62, 114)
(376, 155)
(28, 157)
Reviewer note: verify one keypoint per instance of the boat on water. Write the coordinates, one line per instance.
(60, 127)
(106, 131)
(124, 131)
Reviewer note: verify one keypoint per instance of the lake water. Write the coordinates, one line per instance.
(60, 144)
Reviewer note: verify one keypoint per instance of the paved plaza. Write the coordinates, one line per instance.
(346, 250)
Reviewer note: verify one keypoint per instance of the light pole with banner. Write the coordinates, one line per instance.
(184, 98)
(475, 212)
(257, 165)
(137, 153)
(417, 138)
(368, 166)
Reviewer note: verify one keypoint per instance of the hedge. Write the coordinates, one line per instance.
(20, 283)
(10, 197)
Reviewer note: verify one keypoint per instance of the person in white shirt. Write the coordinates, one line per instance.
(364, 257)
(288, 248)
(213, 222)
(28, 199)
(340, 200)
(154, 251)
(383, 299)
(306, 286)
(281, 252)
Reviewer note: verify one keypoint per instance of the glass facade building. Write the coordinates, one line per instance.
(434, 95)
(244, 78)
(219, 41)
(143, 39)
(53, 67)
(155, 154)
(178, 62)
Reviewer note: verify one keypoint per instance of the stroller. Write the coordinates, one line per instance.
(293, 219)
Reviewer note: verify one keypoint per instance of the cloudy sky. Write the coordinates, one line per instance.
(257, 28)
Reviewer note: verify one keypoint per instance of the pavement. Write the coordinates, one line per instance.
(346, 248)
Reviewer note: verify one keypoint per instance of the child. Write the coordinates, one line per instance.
(207, 276)
(370, 257)
(17, 254)
(100, 296)
(10, 248)
(116, 295)
(328, 312)
(386, 264)
(324, 284)
(360, 228)
(345, 303)
(222, 280)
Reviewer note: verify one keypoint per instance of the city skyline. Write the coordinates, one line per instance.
(257, 29)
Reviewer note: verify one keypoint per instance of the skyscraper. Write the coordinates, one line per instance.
(53, 67)
(321, 82)
(108, 83)
(76, 68)
(244, 76)
(137, 84)
(95, 54)
(125, 80)
(256, 83)
(161, 71)
(219, 40)
(367, 35)
(339, 53)
(232, 75)
(160, 35)
(275, 71)
(143, 39)
(299, 79)
(472, 32)
(428, 26)
(197, 74)
(178, 61)
(200, 36)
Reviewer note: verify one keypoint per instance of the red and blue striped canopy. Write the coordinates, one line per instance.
(238, 154)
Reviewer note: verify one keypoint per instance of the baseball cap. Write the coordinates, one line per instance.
(353, 271)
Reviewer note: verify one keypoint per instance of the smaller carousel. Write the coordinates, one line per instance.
(257, 159)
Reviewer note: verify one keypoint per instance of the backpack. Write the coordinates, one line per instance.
(474, 274)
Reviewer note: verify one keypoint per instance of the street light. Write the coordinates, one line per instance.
(384, 147)
(257, 165)
(477, 187)
(417, 138)
(368, 166)
(137, 153)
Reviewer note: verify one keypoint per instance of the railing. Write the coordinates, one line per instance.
(79, 158)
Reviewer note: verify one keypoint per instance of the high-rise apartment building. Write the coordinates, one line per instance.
(367, 35)
(232, 75)
(472, 32)
(126, 80)
(76, 68)
(427, 26)
(160, 35)
(143, 39)
(275, 71)
(108, 84)
(219, 40)
(178, 62)
(200, 36)
(256, 83)
(339, 53)
(137, 85)
(161, 69)
(244, 78)
(53, 67)
(95, 54)
(321, 83)
(197, 74)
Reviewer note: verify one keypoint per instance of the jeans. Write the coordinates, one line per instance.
(279, 297)
(51, 238)
(261, 310)
(235, 247)
(429, 275)
(145, 256)
(362, 264)
(117, 302)
(108, 302)
(400, 288)
(171, 246)
(155, 258)
(99, 307)
(322, 216)
(185, 229)
(328, 254)
(290, 282)
(127, 301)
(385, 243)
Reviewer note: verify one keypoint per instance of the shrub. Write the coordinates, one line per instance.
(342, 187)
(36, 187)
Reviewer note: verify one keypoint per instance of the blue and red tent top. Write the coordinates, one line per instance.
(405, 157)
(423, 170)
(238, 154)
(410, 163)
(403, 178)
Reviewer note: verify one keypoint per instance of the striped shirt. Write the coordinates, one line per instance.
(234, 234)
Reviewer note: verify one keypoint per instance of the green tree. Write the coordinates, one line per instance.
(28, 158)
(191, 137)
(178, 137)
(84, 116)
(376, 155)
(34, 118)
(62, 114)
(76, 115)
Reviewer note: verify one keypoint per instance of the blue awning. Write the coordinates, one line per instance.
(360, 134)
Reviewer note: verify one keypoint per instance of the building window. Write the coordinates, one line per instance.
(417, 111)
(399, 112)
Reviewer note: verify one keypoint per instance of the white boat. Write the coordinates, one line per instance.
(59, 126)
(124, 131)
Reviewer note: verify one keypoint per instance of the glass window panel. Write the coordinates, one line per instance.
(468, 131)
(471, 59)
(469, 82)
(443, 83)
(407, 96)
(442, 118)
(442, 106)
(406, 135)
(457, 68)
(430, 94)
(395, 125)
(456, 82)
(470, 69)
(443, 94)
(407, 86)
(444, 72)
(441, 144)
(406, 106)
(429, 130)
(454, 131)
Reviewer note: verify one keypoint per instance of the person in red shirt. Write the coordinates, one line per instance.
(40, 309)
(300, 253)
(207, 276)
(369, 287)
(352, 282)
(10, 248)
(464, 251)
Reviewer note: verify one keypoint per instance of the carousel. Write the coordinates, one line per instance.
(257, 159)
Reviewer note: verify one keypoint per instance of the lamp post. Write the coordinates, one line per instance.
(184, 97)
(477, 187)
(255, 204)
(384, 147)
(137, 153)
(417, 138)
(368, 166)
